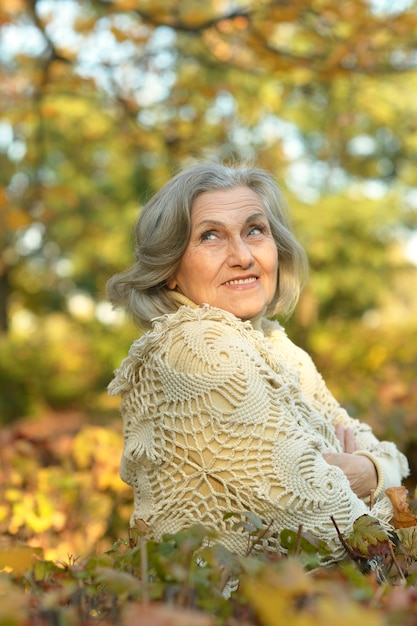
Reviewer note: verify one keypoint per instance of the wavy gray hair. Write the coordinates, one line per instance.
(163, 231)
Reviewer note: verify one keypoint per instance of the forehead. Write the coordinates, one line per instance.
(226, 204)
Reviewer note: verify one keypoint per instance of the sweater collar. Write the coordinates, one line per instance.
(182, 300)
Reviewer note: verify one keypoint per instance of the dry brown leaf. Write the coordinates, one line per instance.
(141, 525)
(403, 518)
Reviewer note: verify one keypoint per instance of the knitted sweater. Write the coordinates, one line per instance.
(219, 418)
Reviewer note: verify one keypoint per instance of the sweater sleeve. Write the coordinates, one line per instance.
(210, 428)
(391, 465)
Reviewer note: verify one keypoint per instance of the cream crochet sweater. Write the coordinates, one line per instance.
(219, 418)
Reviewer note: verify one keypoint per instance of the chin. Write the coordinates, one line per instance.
(244, 312)
(248, 315)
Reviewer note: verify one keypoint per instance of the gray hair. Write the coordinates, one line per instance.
(163, 231)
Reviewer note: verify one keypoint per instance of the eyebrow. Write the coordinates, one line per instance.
(251, 218)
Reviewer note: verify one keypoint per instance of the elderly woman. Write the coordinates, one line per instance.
(222, 412)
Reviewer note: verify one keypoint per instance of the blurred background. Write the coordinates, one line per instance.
(101, 102)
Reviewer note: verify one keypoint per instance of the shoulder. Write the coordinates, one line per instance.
(272, 328)
(188, 340)
(205, 324)
(278, 337)
(204, 335)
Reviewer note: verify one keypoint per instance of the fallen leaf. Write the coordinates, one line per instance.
(408, 540)
(403, 518)
(368, 538)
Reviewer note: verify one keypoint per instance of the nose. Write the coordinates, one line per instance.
(239, 253)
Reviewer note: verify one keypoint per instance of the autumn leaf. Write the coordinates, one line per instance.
(18, 558)
(408, 540)
(368, 538)
(287, 595)
(403, 518)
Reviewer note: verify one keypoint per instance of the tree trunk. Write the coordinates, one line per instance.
(4, 299)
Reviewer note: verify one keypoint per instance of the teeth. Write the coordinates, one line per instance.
(241, 281)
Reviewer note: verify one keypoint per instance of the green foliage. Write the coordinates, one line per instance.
(368, 538)
(309, 93)
(190, 578)
(58, 363)
(305, 544)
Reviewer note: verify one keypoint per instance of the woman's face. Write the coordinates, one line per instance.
(231, 261)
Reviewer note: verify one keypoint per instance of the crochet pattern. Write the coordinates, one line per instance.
(220, 418)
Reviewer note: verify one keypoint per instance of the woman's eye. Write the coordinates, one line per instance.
(256, 230)
(208, 235)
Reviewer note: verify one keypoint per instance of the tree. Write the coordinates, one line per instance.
(103, 101)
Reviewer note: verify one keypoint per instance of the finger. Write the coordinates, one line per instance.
(350, 444)
(340, 434)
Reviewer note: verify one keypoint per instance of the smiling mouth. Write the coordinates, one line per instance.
(242, 281)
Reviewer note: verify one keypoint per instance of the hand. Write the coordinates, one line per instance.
(359, 470)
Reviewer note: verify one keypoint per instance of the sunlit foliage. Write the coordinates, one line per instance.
(103, 101)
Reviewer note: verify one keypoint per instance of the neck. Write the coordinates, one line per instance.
(182, 300)
(257, 321)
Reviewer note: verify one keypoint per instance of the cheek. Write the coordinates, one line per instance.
(192, 269)
(272, 261)
(273, 275)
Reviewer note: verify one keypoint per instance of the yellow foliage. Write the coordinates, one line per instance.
(35, 511)
(70, 503)
(377, 355)
(197, 16)
(15, 218)
(61, 194)
(50, 108)
(291, 596)
(302, 76)
(100, 448)
(13, 603)
(4, 511)
(126, 5)
(17, 558)
(13, 6)
(12, 495)
(282, 13)
(85, 23)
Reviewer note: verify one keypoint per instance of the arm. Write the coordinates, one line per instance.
(359, 468)
(390, 464)
(370, 454)
(377, 464)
